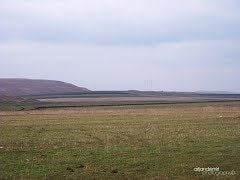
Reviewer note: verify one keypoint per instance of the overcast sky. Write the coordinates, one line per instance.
(177, 45)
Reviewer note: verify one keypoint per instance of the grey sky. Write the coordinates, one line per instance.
(182, 45)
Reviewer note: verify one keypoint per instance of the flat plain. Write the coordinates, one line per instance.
(126, 142)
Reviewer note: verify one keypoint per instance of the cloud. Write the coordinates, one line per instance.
(119, 22)
(122, 44)
(185, 66)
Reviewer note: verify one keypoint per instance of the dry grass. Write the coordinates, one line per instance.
(164, 141)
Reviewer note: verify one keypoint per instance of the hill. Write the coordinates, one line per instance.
(21, 87)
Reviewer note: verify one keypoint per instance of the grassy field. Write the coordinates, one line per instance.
(135, 142)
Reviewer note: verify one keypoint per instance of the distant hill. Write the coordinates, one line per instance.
(215, 92)
(21, 87)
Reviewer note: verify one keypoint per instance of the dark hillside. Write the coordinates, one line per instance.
(21, 87)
